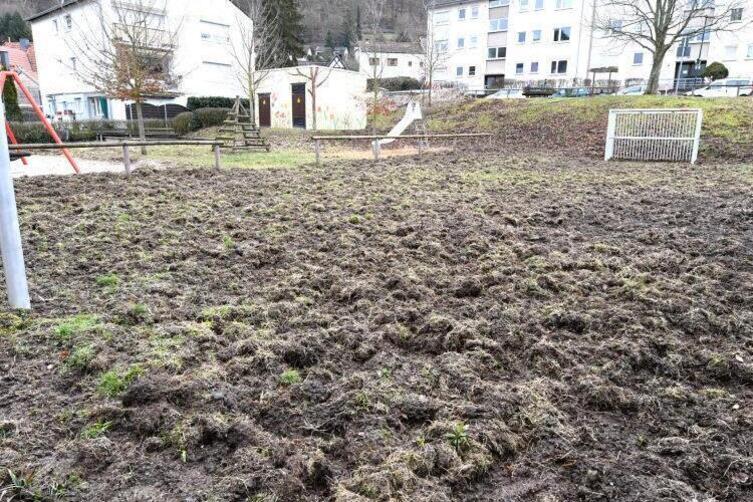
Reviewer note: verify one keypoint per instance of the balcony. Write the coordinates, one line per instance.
(143, 37)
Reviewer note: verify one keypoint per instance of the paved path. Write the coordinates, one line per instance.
(46, 165)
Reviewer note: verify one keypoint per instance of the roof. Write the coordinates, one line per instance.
(55, 8)
(30, 54)
(20, 59)
(438, 4)
(391, 47)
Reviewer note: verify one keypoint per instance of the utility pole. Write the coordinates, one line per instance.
(10, 233)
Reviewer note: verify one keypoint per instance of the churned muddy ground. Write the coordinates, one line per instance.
(451, 328)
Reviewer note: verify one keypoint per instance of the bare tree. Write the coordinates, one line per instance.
(316, 76)
(374, 10)
(258, 47)
(432, 55)
(657, 25)
(125, 51)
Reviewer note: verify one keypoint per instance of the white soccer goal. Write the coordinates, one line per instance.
(664, 134)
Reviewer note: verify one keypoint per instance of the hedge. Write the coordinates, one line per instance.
(396, 84)
(203, 117)
(195, 103)
(80, 130)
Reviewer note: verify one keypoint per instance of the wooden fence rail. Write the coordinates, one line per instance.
(125, 145)
(376, 147)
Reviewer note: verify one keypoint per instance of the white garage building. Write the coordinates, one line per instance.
(312, 97)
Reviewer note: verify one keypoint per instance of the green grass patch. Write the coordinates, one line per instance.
(109, 280)
(290, 377)
(115, 382)
(77, 325)
(96, 430)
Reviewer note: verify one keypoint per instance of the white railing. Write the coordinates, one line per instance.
(654, 135)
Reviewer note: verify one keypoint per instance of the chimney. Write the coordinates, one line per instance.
(24, 43)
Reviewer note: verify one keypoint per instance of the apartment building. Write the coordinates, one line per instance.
(486, 43)
(201, 51)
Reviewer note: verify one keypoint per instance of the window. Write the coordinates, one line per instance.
(497, 52)
(410, 64)
(536, 36)
(615, 24)
(471, 71)
(521, 37)
(563, 4)
(750, 51)
(638, 59)
(461, 14)
(373, 61)
(5, 59)
(474, 12)
(442, 17)
(459, 71)
(535, 67)
(441, 46)
(498, 3)
(391, 61)
(461, 43)
(473, 42)
(730, 52)
(702, 37)
(519, 68)
(736, 14)
(559, 66)
(539, 5)
(68, 22)
(562, 34)
(499, 24)
(73, 64)
(683, 51)
(214, 32)
(524, 4)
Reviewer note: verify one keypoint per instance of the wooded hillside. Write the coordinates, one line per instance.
(404, 18)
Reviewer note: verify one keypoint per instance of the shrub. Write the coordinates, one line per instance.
(539, 92)
(396, 84)
(196, 103)
(716, 71)
(10, 98)
(210, 117)
(183, 123)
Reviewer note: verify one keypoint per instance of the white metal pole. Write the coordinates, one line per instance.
(609, 150)
(10, 233)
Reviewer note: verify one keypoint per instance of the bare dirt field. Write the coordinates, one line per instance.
(469, 328)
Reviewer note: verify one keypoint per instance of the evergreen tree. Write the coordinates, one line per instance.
(10, 99)
(291, 30)
(348, 31)
(330, 41)
(13, 26)
(359, 29)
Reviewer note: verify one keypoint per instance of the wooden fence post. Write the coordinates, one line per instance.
(318, 146)
(127, 160)
(377, 148)
(217, 160)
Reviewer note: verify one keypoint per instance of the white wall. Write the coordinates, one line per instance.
(407, 65)
(341, 100)
(207, 33)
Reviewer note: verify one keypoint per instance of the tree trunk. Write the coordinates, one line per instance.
(313, 105)
(431, 88)
(653, 79)
(140, 121)
(252, 100)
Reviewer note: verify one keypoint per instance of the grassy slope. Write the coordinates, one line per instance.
(580, 124)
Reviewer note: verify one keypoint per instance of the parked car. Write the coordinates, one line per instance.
(728, 87)
(633, 90)
(577, 92)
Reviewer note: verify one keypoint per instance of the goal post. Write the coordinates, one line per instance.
(10, 232)
(654, 135)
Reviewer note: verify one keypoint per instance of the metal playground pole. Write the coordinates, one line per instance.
(10, 233)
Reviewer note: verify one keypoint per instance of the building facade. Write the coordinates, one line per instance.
(390, 60)
(527, 42)
(285, 98)
(201, 51)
